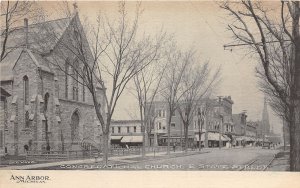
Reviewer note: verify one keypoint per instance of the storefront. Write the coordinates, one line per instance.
(196, 139)
(214, 139)
(115, 141)
(132, 141)
(177, 140)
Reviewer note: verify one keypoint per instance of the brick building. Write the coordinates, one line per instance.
(47, 108)
(240, 122)
(216, 124)
(126, 132)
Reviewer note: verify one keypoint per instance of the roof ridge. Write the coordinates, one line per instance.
(48, 21)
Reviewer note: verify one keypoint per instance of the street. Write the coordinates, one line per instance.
(210, 159)
(225, 159)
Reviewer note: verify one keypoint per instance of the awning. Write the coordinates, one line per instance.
(116, 137)
(135, 139)
(225, 138)
(202, 137)
(238, 138)
(247, 138)
(213, 136)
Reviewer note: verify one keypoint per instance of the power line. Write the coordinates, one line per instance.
(246, 44)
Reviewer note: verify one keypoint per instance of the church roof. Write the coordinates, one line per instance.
(3, 92)
(7, 64)
(42, 37)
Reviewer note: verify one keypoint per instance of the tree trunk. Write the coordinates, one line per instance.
(294, 144)
(284, 131)
(186, 137)
(181, 137)
(105, 148)
(144, 140)
(169, 133)
(295, 121)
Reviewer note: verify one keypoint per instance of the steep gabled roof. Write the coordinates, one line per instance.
(41, 40)
(38, 34)
(7, 64)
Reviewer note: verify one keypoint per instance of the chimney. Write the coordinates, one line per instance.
(26, 31)
(75, 6)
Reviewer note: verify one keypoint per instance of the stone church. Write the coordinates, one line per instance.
(42, 107)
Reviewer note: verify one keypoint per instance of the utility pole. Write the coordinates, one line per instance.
(221, 122)
(200, 126)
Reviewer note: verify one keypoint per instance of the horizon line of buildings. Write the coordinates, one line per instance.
(219, 124)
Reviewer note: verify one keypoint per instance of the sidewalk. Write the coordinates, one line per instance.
(281, 162)
(125, 159)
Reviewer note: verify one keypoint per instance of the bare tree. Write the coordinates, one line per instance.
(12, 12)
(196, 85)
(147, 84)
(176, 67)
(115, 56)
(275, 40)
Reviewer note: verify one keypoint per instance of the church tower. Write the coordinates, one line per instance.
(265, 119)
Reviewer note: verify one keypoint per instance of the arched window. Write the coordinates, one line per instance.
(46, 101)
(5, 112)
(74, 127)
(75, 80)
(27, 121)
(83, 93)
(66, 79)
(26, 90)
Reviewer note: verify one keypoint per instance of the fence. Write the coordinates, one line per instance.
(136, 150)
(73, 154)
(62, 155)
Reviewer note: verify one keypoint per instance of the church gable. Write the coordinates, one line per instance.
(24, 67)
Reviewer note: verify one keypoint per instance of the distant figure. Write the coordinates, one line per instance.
(174, 147)
(26, 148)
(48, 149)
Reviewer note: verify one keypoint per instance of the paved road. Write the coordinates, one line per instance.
(248, 159)
(227, 159)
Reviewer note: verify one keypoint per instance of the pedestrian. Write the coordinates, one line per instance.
(174, 147)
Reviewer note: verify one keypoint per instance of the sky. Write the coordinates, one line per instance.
(201, 25)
